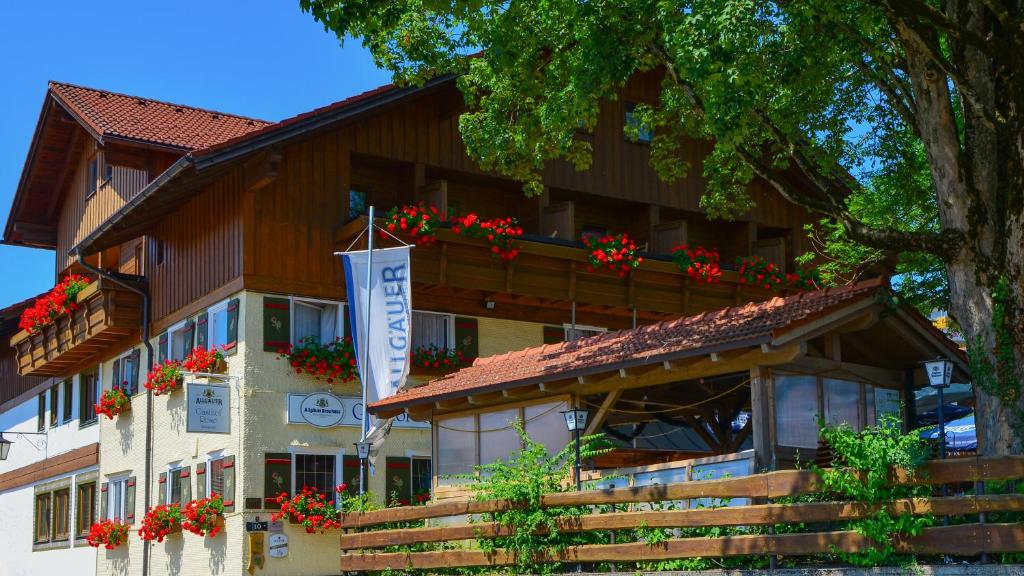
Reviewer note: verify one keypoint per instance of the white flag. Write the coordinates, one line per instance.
(390, 320)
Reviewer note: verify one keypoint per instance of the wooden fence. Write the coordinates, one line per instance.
(360, 549)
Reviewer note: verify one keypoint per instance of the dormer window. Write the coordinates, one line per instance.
(93, 176)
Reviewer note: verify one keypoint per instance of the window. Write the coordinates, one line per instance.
(314, 320)
(357, 205)
(317, 471)
(93, 176)
(61, 513)
(421, 475)
(174, 484)
(218, 325)
(41, 413)
(126, 373)
(842, 403)
(215, 476)
(54, 390)
(431, 329)
(42, 516)
(116, 490)
(85, 508)
(796, 409)
(579, 331)
(108, 172)
(456, 447)
(87, 397)
(644, 134)
(68, 406)
(592, 231)
(180, 341)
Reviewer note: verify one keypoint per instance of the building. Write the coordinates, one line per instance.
(202, 228)
(48, 481)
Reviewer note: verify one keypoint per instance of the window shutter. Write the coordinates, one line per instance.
(277, 478)
(554, 334)
(350, 473)
(161, 487)
(190, 336)
(202, 330)
(163, 353)
(200, 480)
(467, 336)
(229, 483)
(185, 480)
(103, 500)
(276, 323)
(129, 500)
(115, 381)
(231, 346)
(398, 481)
(133, 376)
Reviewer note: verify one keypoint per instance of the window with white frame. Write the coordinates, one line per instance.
(215, 474)
(116, 489)
(317, 470)
(316, 320)
(432, 329)
(125, 374)
(579, 331)
(218, 325)
(174, 483)
(179, 341)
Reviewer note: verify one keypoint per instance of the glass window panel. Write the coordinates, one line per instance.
(42, 518)
(115, 502)
(429, 330)
(315, 471)
(307, 322)
(661, 477)
(546, 424)
(174, 486)
(61, 513)
(218, 323)
(869, 403)
(421, 476)
(796, 408)
(716, 470)
(842, 403)
(356, 203)
(498, 439)
(215, 471)
(456, 448)
(178, 345)
(85, 508)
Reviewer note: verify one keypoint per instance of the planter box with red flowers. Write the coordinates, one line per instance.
(436, 360)
(62, 299)
(109, 534)
(204, 517)
(334, 362)
(616, 253)
(161, 521)
(205, 361)
(165, 378)
(113, 402)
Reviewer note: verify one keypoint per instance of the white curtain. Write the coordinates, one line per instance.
(429, 329)
(307, 321)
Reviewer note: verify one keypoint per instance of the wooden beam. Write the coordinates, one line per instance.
(872, 374)
(602, 413)
(261, 169)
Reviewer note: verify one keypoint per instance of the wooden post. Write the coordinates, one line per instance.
(760, 414)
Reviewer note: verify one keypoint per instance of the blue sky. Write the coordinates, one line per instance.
(260, 58)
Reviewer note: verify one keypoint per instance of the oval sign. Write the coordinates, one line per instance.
(322, 410)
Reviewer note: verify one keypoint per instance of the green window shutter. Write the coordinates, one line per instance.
(229, 483)
(554, 334)
(115, 381)
(202, 330)
(185, 480)
(346, 322)
(276, 323)
(133, 375)
(161, 487)
(41, 413)
(231, 346)
(162, 346)
(200, 480)
(129, 500)
(467, 336)
(398, 479)
(103, 500)
(277, 478)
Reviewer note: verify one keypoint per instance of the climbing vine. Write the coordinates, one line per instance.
(999, 379)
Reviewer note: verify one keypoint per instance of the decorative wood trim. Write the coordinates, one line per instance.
(54, 466)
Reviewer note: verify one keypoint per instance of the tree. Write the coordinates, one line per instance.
(831, 103)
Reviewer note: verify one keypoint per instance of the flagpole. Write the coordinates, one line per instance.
(366, 343)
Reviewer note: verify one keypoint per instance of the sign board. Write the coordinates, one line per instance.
(886, 402)
(277, 526)
(256, 552)
(208, 409)
(325, 410)
(257, 526)
(278, 545)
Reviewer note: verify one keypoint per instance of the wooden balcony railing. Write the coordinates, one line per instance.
(550, 269)
(107, 314)
(360, 549)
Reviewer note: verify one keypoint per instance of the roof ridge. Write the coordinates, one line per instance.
(53, 83)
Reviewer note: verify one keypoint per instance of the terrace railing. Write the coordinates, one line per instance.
(363, 540)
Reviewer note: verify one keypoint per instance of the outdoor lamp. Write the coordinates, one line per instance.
(939, 371)
(576, 422)
(363, 449)
(5, 447)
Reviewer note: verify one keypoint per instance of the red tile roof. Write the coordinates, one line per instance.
(728, 328)
(146, 120)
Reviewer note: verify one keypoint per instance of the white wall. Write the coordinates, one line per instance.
(17, 505)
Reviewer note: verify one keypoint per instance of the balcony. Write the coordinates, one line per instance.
(552, 273)
(107, 315)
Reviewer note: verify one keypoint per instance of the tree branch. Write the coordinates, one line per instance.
(919, 8)
(899, 101)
